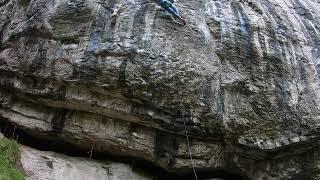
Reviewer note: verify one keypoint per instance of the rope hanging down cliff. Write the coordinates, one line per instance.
(189, 147)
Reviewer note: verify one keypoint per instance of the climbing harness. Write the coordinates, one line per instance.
(189, 147)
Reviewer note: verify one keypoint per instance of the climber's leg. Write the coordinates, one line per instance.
(174, 11)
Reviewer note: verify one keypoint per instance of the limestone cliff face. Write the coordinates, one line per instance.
(48, 165)
(121, 75)
(45, 165)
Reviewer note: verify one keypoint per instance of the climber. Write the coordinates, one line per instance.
(171, 8)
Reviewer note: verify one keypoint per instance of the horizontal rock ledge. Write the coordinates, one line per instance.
(120, 138)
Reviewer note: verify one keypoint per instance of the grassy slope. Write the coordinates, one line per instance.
(9, 154)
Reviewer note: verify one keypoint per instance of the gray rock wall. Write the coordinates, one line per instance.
(41, 165)
(122, 74)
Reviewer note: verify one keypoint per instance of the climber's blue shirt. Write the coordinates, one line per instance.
(169, 6)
